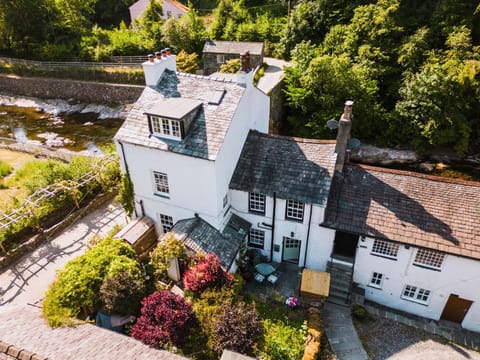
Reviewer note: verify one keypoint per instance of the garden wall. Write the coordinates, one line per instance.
(82, 91)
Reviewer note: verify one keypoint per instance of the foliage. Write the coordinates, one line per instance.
(126, 194)
(168, 249)
(76, 289)
(166, 320)
(237, 328)
(230, 66)
(284, 332)
(122, 293)
(187, 63)
(207, 273)
(5, 169)
(227, 15)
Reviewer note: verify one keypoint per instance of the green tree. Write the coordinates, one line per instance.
(187, 63)
(227, 16)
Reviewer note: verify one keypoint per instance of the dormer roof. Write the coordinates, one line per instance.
(174, 108)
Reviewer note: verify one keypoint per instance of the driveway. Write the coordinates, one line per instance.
(26, 281)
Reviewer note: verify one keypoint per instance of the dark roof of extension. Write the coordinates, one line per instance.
(199, 236)
(411, 208)
(294, 168)
(206, 134)
(233, 47)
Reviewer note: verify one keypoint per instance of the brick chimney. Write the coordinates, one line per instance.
(243, 77)
(153, 70)
(343, 136)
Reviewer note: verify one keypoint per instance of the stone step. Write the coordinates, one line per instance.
(344, 290)
(338, 301)
(339, 267)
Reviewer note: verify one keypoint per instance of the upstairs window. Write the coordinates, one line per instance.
(416, 294)
(256, 203)
(166, 127)
(294, 210)
(385, 248)
(161, 184)
(429, 258)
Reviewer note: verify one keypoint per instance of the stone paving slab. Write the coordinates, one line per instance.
(341, 334)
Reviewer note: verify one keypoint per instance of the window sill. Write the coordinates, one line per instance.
(375, 287)
(427, 267)
(256, 212)
(414, 301)
(384, 256)
(165, 196)
(295, 220)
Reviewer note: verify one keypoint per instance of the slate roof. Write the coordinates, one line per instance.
(411, 208)
(199, 236)
(233, 47)
(294, 168)
(205, 136)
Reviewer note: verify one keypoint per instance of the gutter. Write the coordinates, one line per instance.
(308, 235)
(273, 224)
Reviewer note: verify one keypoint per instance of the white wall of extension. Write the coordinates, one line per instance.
(457, 275)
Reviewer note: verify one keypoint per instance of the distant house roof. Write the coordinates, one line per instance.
(421, 210)
(206, 134)
(294, 168)
(233, 47)
(138, 8)
(199, 236)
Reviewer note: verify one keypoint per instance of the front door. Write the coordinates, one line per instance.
(291, 249)
(345, 246)
(456, 308)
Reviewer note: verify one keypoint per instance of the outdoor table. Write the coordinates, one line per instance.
(264, 269)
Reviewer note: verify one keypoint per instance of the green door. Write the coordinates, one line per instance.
(291, 249)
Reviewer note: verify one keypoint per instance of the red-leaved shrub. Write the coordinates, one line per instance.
(166, 320)
(207, 273)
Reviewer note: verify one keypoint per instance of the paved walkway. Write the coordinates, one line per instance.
(341, 334)
(273, 74)
(25, 281)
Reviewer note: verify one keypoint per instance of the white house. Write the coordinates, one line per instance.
(202, 163)
(171, 8)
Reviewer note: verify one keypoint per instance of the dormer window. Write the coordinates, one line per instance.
(172, 117)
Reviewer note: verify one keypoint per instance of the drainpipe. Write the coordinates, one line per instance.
(308, 235)
(128, 174)
(273, 224)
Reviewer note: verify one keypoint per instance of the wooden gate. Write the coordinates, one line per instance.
(456, 308)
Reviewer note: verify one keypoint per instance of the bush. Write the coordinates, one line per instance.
(207, 273)
(230, 66)
(122, 294)
(168, 249)
(76, 289)
(166, 320)
(359, 312)
(237, 328)
(5, 169)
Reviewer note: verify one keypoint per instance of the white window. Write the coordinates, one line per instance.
(166, 127)
(294, 210)
(385, 248)
(166, 222)
(220, 59)
(256, 203)
(256, 238)
(416, 294)
(161, 183)
(169, 14)
(376, 280)
(429, 258)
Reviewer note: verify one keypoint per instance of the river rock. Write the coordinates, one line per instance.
(370, 154)
(426, 166)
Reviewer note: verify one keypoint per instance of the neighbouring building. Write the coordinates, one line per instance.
(171, 8)
(216, 53)
(204, 166)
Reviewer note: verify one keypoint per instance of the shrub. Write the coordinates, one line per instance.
(168, 249)
(187, 63)
(231, 66)
(237, 328)
(166, 320)
(122, 294)
(77, 286)
(207, 273)
(5, 169)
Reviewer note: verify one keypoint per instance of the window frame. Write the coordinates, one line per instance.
(220, 59)
(157, 186)
(386, 245)
(253, 203)
(429, 255)
(164, 127)
(294, 206)
(416, 294)
(166, 221)
(259, 234)
(376, 280)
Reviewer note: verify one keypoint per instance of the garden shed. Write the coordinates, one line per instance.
(140, 234)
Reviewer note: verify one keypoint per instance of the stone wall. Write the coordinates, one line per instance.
(81, 91)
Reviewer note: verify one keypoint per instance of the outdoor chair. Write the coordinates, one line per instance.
(273, 278)
(259, 277)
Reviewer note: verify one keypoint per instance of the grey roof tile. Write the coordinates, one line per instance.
(206, 134)
(233, 47)
(421, 210)
(294, 168)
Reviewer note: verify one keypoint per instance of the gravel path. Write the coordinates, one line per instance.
(386, 339)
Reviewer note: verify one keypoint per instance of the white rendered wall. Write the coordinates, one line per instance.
(460, 276)
(320, 239)
(191, 182)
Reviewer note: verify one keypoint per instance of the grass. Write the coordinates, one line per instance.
(10, 191)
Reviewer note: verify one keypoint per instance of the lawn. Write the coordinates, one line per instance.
(16, 160)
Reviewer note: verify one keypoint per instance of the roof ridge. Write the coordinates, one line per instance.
(293, 138)
(206, 77)
(417, 175)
